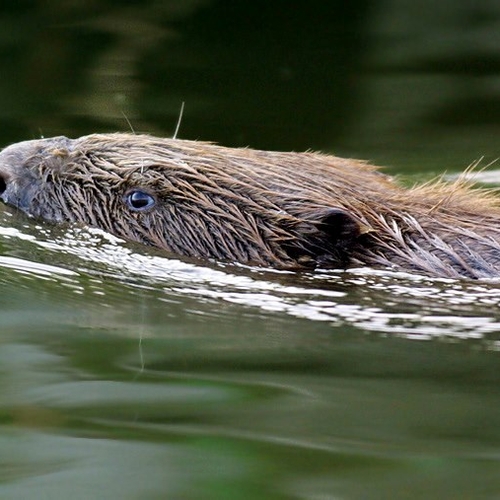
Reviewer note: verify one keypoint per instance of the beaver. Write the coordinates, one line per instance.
(276, 209)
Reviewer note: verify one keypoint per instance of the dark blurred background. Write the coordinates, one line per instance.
(409, 84)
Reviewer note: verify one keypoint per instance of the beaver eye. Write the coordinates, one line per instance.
(139, 200)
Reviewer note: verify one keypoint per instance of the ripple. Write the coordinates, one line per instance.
(35, 268)
(375, 301)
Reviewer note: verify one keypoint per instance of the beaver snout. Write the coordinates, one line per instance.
(16, 193)
(17, 182)
(20, 170)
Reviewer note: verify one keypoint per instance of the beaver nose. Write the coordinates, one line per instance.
(17, 182)
(3, 183)
(6, 181)
(19, 169)
(15, 191)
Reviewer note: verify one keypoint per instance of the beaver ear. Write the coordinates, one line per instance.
(337, 238)
(340, 227)
(328, 238)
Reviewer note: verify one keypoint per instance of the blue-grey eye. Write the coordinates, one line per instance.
(139, 200)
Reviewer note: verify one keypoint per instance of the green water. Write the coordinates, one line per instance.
(128, 374)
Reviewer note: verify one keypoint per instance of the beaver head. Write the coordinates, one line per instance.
(191, 198)
(288, 210)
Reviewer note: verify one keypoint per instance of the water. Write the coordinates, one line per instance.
(126, 373)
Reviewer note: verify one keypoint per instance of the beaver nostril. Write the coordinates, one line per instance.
(3, 184)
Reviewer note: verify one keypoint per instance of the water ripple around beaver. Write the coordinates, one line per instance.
(84, 260)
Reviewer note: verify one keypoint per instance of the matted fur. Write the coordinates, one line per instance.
(288, 210)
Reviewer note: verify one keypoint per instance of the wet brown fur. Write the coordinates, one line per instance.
(287, 210)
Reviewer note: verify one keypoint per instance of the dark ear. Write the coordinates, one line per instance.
(336, 242)
(326, 238)
(340, 227)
